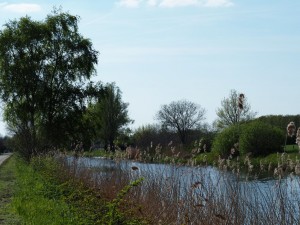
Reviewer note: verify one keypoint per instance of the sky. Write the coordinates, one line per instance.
(160, 51)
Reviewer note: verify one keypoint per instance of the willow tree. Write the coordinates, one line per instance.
(44, 69)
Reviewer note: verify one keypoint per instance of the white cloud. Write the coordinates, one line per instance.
(178, 3)
(218, 3)
(152, 2)
(129, 3)
(175, 3)
(21, 8)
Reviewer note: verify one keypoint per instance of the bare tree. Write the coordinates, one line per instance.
(233, 110)
(181, 116)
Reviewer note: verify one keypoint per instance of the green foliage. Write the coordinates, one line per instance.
(144, 135)
(280, 121)
(108, 116)
(97, 153)
(151, 135)
(44, 66)
(254, 137)
(225, 140)
(230, 114)
(47, 192)
(291, 148)
(260, 139)
(113, 215)
(209, 158)
(4, 144)
(7, 184)
(37, 201)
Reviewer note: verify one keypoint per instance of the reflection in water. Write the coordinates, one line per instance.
(202, 185)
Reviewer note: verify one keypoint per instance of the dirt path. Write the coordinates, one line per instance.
(3, 157)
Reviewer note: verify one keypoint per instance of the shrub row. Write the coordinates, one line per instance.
(256, 138)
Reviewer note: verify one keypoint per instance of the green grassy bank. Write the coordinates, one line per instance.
(265, 165)
(26, 198)
(46, 192)
(58, 190)
(7, 186)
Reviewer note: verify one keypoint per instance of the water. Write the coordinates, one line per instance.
(257, 196)
(190, 175)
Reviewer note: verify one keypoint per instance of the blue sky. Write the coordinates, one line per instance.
(159, 51)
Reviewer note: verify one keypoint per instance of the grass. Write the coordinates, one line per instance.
(291, 149)
(37, 200)
(164, 198)
(7, 184)
(270, 165)
(261, 166)
(97, 153)
(270, 161)
(53, 191)
(59, 190)
(29, 197)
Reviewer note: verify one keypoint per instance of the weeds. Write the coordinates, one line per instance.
(7, 183)
(113, 215)
(57, 190)
(98, 191)
(172, 194)
(37, 200)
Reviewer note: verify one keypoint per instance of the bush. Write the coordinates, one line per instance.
(226, 140)
(260, 138)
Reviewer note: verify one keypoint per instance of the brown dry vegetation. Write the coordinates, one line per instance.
(167, 200)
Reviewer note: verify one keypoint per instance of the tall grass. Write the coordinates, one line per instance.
(64, 190)
(7, 184)
(50, 190)
(191, 196)
(39, 201)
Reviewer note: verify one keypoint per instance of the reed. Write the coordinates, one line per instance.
(78, 191)
(202, 198)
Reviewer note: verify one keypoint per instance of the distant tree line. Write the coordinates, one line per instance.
(4, 144)
(280, 121)
(50, 102)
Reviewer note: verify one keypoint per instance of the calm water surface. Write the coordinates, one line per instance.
(187, 175)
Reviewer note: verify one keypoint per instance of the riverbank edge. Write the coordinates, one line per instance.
(259, 166)
(38, 189)
(52, 191)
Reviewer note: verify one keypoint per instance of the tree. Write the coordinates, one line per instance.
(181, 116)
(260, 138)
(2, 145)
(233, 110)
(280, 121)
(109, 116)
(44, 66)
(151, 135)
